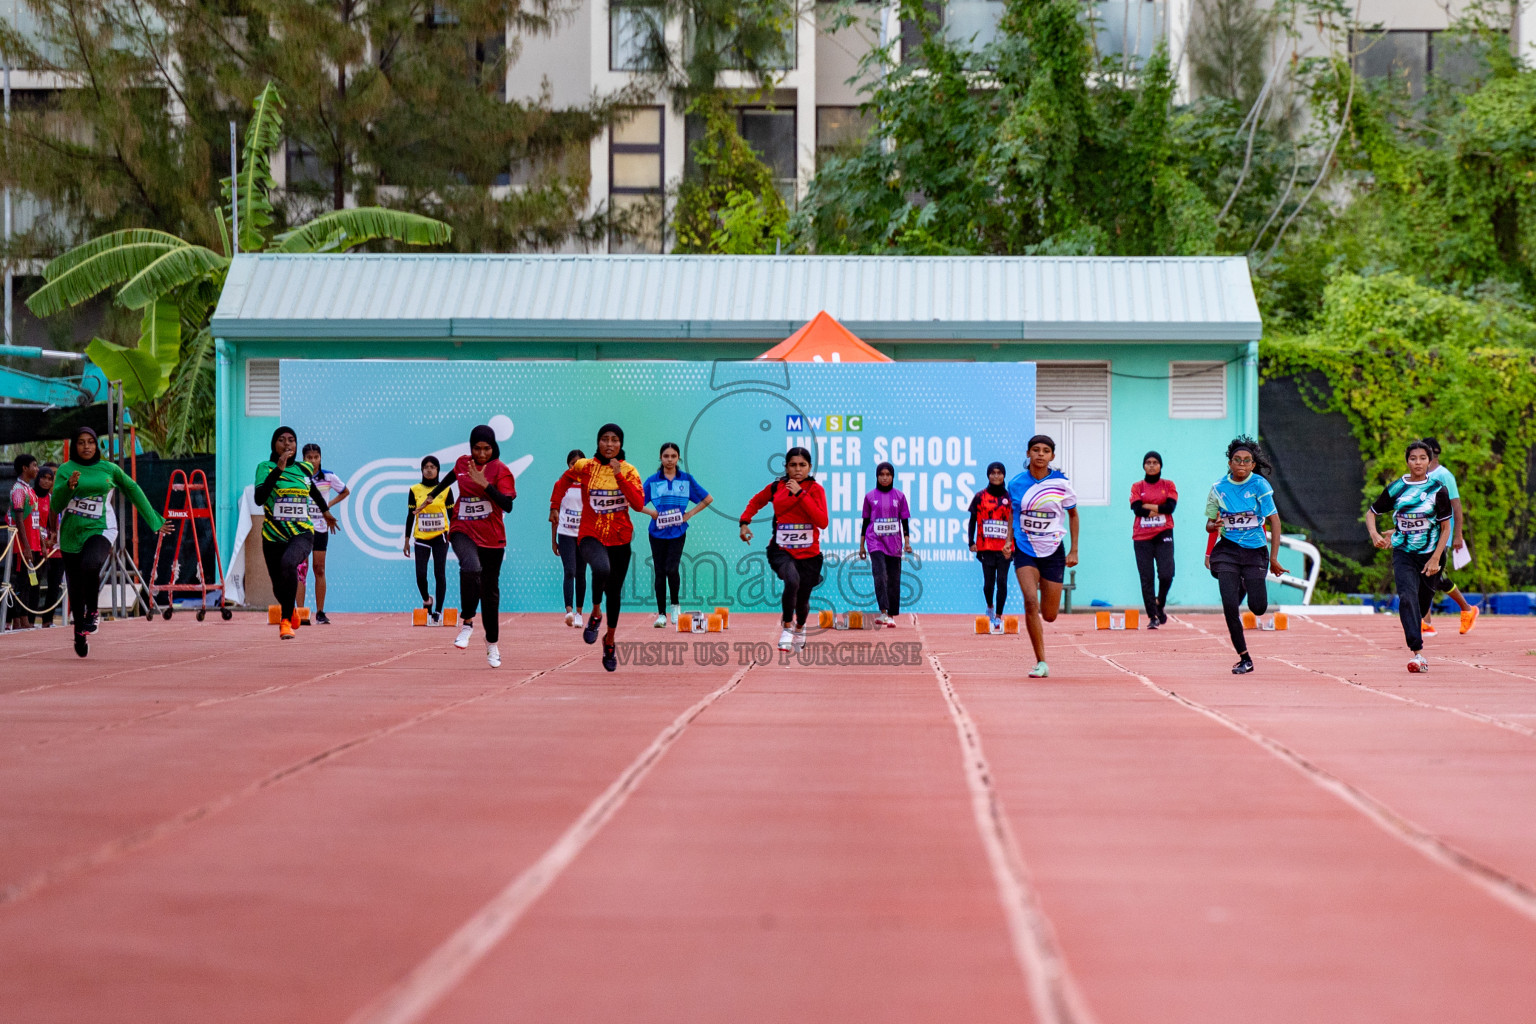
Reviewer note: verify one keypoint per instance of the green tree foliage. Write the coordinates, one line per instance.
(1405, 360)
(1031, 144)
(728, 204)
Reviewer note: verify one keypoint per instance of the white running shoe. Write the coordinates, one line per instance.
(676, 611)
(435, 619)
(882, 620)
(465, 632)
(661, 622)
(570, 618)
(1418, 664)
(787, 640)
(799, 638)
(493, 655)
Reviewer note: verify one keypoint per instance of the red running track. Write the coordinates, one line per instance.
(365, 826)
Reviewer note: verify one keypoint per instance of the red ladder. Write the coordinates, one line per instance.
(182, 509)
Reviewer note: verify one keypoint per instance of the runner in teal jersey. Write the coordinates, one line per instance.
(1421, 515)
(1438, 472)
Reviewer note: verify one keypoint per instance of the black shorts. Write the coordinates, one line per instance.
(1052, 567)
(321, 540)
(1229, 557)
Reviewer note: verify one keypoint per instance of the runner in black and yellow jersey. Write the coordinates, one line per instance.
(284, 489)
(426, 524)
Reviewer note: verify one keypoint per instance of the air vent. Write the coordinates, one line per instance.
(263, 388)
(1197, 391)
(1073, 392)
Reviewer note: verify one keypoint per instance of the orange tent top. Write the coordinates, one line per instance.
(824, 340)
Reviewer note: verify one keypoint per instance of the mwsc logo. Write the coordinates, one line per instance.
(834, 424)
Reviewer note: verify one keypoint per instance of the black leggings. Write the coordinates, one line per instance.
(666, 556)
(800, 576)
(479, 583)
(283, 560)
(886, 570)
(1155, 551)
(435, 551)
(610, 565)
(575, 584)
(994, 578)
(1415, 592)
(82, 571)
(1234, 586)
(52, 580)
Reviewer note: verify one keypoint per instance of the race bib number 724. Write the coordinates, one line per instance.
(790, 536)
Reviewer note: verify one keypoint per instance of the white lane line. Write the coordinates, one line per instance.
(108, 852)
(433, 978)
(1505, 888)
(1052, 990)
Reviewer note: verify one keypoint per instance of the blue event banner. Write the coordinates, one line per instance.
(939, 424)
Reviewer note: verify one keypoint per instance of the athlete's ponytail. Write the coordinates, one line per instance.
(1244, 443)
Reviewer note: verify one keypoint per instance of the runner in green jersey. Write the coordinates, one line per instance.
(81, 500)
(1421, 515)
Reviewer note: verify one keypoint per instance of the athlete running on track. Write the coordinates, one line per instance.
(1153, 499)
(1420, 507)
(1239, 506)
(478, 535)
(426, 527)
(27, 522)
(990, 533)
(610, 487)
(1469, 612)
(285, 489)
(53, 567)
(886, 514)
(1042, 499)
(668, 492)
(564, 538)
(794, 553)
(334, 490)
(81, 503)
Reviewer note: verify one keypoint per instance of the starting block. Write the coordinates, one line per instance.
(826, 619)
(1279, 620)
(725, 618)
(420, 617)
(856, 620)
(275, 615)
(1128, 619)
(715, 623)
(1007, 626)
(695, 622)
(840, 622)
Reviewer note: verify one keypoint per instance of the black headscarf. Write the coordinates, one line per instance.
(486, 434)
(887, 467)
(49, 470)
(1152, 478)
(611, 428)
(432, 459)
(272, 445)
(997, 490)
(74, 455)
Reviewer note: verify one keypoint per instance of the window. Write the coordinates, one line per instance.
(1197, 391)
(840, 131)
(635, 180)
(770, 133)
(1129, 29)
(1416, 56)
(263, 391)
(1072, 407)
(632, 27)
(972, 21)
(305, 168)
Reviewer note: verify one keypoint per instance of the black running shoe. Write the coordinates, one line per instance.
(1162, 617)
(1151, 621)
(1243, 667)
(92, 623)
(82, 644)
(590, 633)
(610, 662)
(321, 620)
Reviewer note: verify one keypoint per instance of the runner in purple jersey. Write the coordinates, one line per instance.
(883, 539)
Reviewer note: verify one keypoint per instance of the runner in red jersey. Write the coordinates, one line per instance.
(990, 533)
(610, 487)
(794, 553)
(478, 536)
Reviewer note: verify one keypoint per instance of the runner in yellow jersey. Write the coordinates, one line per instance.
(426, 524)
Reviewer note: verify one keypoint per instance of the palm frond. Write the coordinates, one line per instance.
(263, 134)
(189, 399)
(171, 271)
(160, 334)
(101, 271)
(86, 250)
(340, 230)
(141, 375)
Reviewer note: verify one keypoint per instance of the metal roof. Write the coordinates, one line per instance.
(879, 298)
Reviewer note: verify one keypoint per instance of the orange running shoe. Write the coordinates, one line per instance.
(1469, 619)
(285, 630)
(296, 620)
(1426, 629)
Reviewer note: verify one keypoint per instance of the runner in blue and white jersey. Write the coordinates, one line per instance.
(1240, 505)
(1421, 516)
(1045, 508)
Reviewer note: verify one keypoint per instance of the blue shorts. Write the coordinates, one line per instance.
(1052, 567)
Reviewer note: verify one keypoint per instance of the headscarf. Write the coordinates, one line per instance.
(997, 490)
(74, 455)
(432, 459)
(49, 470)
(611, 428)
(486, 434)
(1152, 478)
(888, 468)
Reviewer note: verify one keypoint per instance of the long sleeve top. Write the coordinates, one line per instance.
(606, 498)
(83, 508)
(798, 519)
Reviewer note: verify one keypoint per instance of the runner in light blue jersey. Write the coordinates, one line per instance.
(1421, 516)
